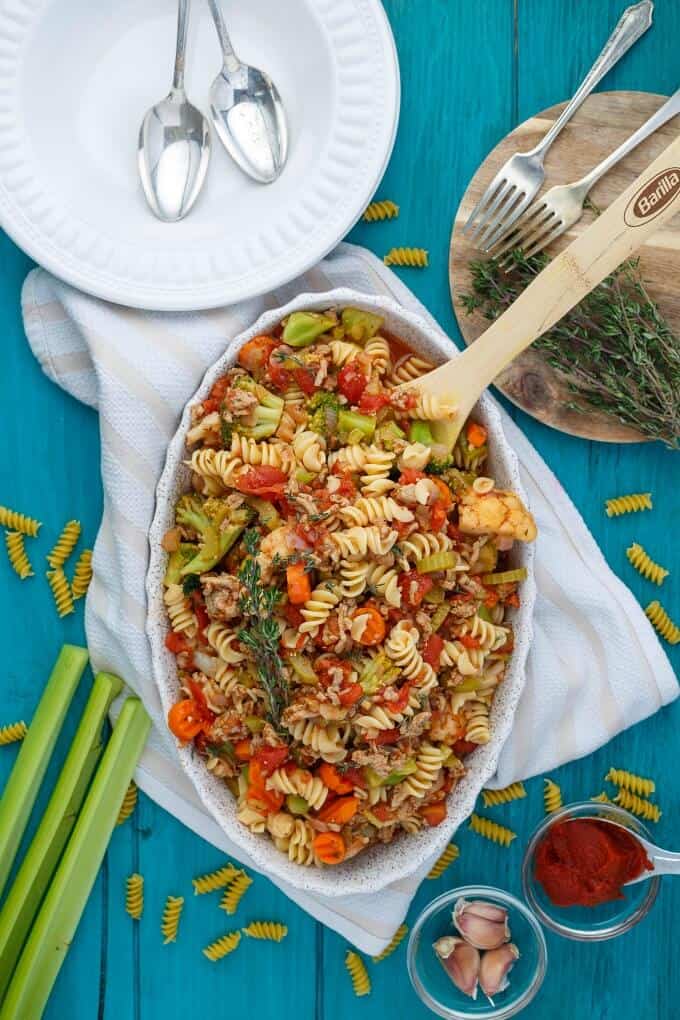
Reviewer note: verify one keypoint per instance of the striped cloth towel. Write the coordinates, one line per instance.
(595, 667)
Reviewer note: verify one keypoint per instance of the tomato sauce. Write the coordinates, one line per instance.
(584, 862)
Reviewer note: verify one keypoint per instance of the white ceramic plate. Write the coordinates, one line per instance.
(76, 78)
(380, 865)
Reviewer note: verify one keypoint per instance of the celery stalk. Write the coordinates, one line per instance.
(36, 750)
(43, 854)
(58, 918)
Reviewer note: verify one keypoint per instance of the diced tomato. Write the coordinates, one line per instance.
(352, 382)
(292, 615)
(262, 481)
(463, 747)
(254, 354)
(434, 814)
(327, 664)
(280, 376)
(261, 797)
(387, 737)
(243, 750)
(304, 377)
(355, 776)
(185, 719)
(438, 514)
(201, 616)
(414, 587)
(214, 400)
(350, 695)
(199, 697)
(371, 403)
(467, 641)
(410, 475)
(445, 494)
(383, 812)
(400, 703)
(176, 643)
(347, 487)
(491, 598)
(298, 584)
(283, 506)
(433, 650)
(513, 600)
(454, 532)
(401, 527)
(309, 532)
(270, 758)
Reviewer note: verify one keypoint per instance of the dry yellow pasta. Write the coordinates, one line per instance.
(513, 792)
(61, 591)
(492, 830)
(129, 803)
(65, 544)
(415, 258)
(602, 798)
(645, 565)
(361, 982)
(16, 553)
(19, 522)
(214, 880)
(450, 854)
(628, 504)
(638, 805)
(661, 621)
(396, 940)
(381, 210)
(12, 733)
(235, 891)
(271, 931)
(82, 574)
(171, 915)
(552, 796)
(222, 947)
(630, 781)
(134, 896)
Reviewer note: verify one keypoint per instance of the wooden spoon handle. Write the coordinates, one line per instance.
(625, 226)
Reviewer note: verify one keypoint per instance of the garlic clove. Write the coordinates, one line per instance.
(461, 962)
(494, 968)
(483, 925)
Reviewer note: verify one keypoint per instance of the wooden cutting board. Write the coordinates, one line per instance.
(603, 122)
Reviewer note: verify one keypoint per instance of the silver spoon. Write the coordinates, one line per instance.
(247, 112)
(666, 862)
(174, 143)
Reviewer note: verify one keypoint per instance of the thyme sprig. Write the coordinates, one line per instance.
(615, 350)
(261, 636)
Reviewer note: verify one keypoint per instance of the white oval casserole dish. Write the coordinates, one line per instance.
(382, 864)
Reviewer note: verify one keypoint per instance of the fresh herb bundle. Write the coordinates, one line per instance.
(614, 349)
(257, 604)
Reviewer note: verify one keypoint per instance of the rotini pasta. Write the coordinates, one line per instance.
(214, 880)
(316, 609)
(13, 733)
(416, 258)
(16, 553)
(645, 565)
(170, 920)
(61, 591)
(630, 781)
(602, 798)
(65, 544)
(513, 792)
(356, 543)
(632, 503)
(638, 805)
(301, 783)
(225, 643)
(428, 765)
(271, 931)
(468, 661)
(414, 457)
(82, 574)
(361, 983)
(450, 854)
(384, 581)
(328, 741)
(408, 368)
(661, 621)
(182, 618)
(429, 407)
(354, 579)
(377, 350)
(552, 796)
(309, 449)
(396, 940)
(383, 209)
(342, 352)
(134, 896)
(492, 830)
(14, 521)
(129, 803)
(235, 892)
(223, 946)
(367, 510)
(376, 480)
(476, 715)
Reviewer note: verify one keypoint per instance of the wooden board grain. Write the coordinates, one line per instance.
(603, 122)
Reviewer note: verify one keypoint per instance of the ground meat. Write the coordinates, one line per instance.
(380, 760)
(228, 726)
(221, 593)
(417, 725)
(240, 402)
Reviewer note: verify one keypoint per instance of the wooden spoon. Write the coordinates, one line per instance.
(639, 212)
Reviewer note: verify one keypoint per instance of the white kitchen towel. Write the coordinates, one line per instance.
(595, 666)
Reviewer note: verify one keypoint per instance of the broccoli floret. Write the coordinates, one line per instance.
(323, 409)
(439, 465)
(264, 420)
(354, 427)
(207, 518)
(302, 328)
(388, 433)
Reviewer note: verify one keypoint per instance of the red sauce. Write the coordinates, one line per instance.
(584, 862)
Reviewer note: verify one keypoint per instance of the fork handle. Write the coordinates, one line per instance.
(665, 113)
(633, 23)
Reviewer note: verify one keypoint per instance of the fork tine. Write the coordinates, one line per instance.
(510, 219)
(513, 238)
(526, 232)
(544, 241)
(498, 226)
(542, 230)
(484, 200)
(500, 196)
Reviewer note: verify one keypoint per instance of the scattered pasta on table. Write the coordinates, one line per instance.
(640, 785)
(235, 892)
(82, 574)
(64, 545)
(214, 880)
(13, 732)
(396, 940)
(661, 621)
(270, 931)
(380, 210)
(513, 792)
(361, 982)
(170, 920)
(134, 896)
(552, 796)
(61, 590)
(449, 855)
(14, 521)
(17, 555)
(645, 565)
(223, 946)
(414, 258)
(129, 803)
(638, 805)
(632, 503)
(492, 830)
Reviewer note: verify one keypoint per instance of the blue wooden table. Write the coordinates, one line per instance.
(471, 70)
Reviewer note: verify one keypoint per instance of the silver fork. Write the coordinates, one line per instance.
(562, 205)
(519, 180)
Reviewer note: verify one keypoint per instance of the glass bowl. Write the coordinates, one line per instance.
(436, 989)
(589, 924)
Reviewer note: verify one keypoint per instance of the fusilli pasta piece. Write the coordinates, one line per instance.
(13, 733)
(630, 781)
(429, 761)
(82, 574)
(377, 350)
(396, 940)
(492, 830)
(468, 661)
(638, 805)
(552, 796)
(19, 522)
(401, 648)
(342, 352)
(645, 565)
(450, 854)
(300, 783)
(271, 931)
(317, 608)
(65, 544)
(225, 643)
(252, 818)
(489, 635)
(414, 457)
(310, 450)
(300, 844)
(356, 543)
(129, 803)
(182, 618)
(513, 792)
(222, 947)
(430, 407)
(602, 798)
(384, 581)
(134, 896)
(415, 258)
(367, 510)
(409, 367)
(476, 714)
(375, 480)
(61, 591)
(16, 553)
(354, 577)
(629, 504)
(361, 983)
(352, 457)
(661, 621)
(328, 741)
(263, 453)
(383, 209)
(420, 544)
(235, 892)
(214, 879)
(171, 916)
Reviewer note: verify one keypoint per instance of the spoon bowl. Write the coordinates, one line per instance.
(664, 862)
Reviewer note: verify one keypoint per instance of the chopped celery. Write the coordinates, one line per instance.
(487, 559)
(420, 432)
(43, 854)
(303, 328)
(435, 596)
(373, 780)
(470, 683)
(176, 560)
(506, 576)
(266, 512)
(29, 768)
(304, 476)
(254, 723)
(302, 669)
(61, 910)
(407, 769)
(351, 422)
(438, 617)
(483, 613)
(359, 324)
(216, 545)
(297, 805)
(437, 561)
(376, 673)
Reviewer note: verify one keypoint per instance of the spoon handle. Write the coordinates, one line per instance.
(180, 51)
(230, 59)
(666, 862)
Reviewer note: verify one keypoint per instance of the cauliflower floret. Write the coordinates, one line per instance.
(498, 512)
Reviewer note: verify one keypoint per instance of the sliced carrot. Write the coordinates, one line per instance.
(340, 812)
(476, 434)
(329, 847)
(333, 779)
(374, 631)
(434, 814)
(243, 750)
(445, 494)
(299, 586)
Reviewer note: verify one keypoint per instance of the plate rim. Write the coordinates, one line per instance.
(20, 228)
